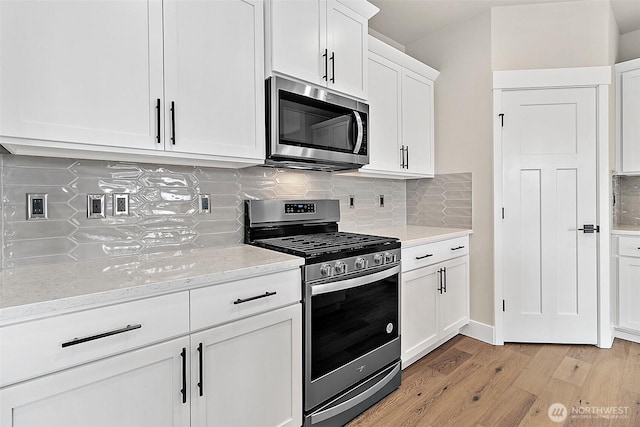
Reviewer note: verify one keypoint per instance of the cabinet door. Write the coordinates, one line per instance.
(419, 315)
(454, 301)
(630, 121)
(417, 122)
(298, 39)
(214, 77)
(347, 41)
(84, 72)
(251, 372)
(384, 113)
(139, 388)
(629, 292)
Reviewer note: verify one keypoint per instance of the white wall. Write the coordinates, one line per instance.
(629, 46)
(551, 35)
(463, 134)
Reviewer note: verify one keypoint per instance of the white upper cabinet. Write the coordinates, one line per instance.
(628, 116)
(401, 115)
(82, 72)
(323, 42)
(165, 81)
(214, 86)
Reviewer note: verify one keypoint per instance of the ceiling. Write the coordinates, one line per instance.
(406, 21)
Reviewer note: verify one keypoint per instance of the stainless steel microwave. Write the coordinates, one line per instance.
(312, 128)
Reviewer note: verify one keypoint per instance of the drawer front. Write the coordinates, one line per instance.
(629, 246)
(38, 347)
(432, 253)
(223, 303)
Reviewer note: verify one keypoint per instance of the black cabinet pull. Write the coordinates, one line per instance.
(424, 256)
(402, 154)
(183, 354)
(458, 248)
(158, 113)
(333, 67)
(77, 341)
(406, 150)
(440, 281)
(444, 279)
(326, 65)
(266, 294)
(200, 384)
(173, 123)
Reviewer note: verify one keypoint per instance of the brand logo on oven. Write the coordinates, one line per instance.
(361, 368)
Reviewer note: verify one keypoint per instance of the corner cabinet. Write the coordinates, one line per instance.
(628, 122)
(323, 42)
(165, 81)
(434, 296)
(628, 287)
(401, 115)
(224, 355)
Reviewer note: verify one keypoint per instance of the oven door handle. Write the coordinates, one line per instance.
(354, 401)
(354, 282)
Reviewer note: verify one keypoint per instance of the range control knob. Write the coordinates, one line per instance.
(377, 259)
(389, 257)
(325, 270)
(340, 267)
(361, 263)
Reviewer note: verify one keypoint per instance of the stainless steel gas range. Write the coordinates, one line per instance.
(351, 300)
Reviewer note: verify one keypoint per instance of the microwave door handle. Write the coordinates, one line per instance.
(360, 127)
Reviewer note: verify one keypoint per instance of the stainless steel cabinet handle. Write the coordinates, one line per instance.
(458, 248)
(77, 341)
(266, 294)
(424, 256)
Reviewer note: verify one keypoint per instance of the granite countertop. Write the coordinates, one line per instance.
(414, 235)
(29, 292)
(632, 230)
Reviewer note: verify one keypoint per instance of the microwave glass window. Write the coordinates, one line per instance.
(306, 122)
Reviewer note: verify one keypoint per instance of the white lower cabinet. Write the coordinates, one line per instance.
(434, 296)
(249, 372)
(629, 286)
(139, 388)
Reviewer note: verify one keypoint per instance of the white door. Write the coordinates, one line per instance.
(384, 112)
(251, 372)
(549, 192)
(298, 39)
(138, 388)
(417, 122)
(419, 311)
(81, 71)
(454, 300)
(347, 41)
(214, 77)
(630, 121)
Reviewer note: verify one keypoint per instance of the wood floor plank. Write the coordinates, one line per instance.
(630, 402)
(555, 391)
(471, 346)
(509, 409)
(631, 379)
(586, 353)
(528, 349)
(573, 371)
(541, 367)
(449, 361)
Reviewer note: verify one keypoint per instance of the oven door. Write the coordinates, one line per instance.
(351, 332)
(313, 125)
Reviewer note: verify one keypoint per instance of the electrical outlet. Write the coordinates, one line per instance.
(352, 201)
(95, 206)
(382, 200)
(204, 203)
(120, 204)
(37, 206)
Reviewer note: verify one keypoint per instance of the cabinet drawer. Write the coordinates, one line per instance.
(431, 253)
(223, 303)
(629, 246)
(37, 347)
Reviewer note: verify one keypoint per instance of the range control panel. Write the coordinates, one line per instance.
(299, 208)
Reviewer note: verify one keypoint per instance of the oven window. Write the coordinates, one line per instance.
(350, 323)
(307, 122)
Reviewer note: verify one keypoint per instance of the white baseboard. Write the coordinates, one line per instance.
(479, 331)
(629, 336)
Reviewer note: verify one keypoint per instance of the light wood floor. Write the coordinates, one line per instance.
(470, 383)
